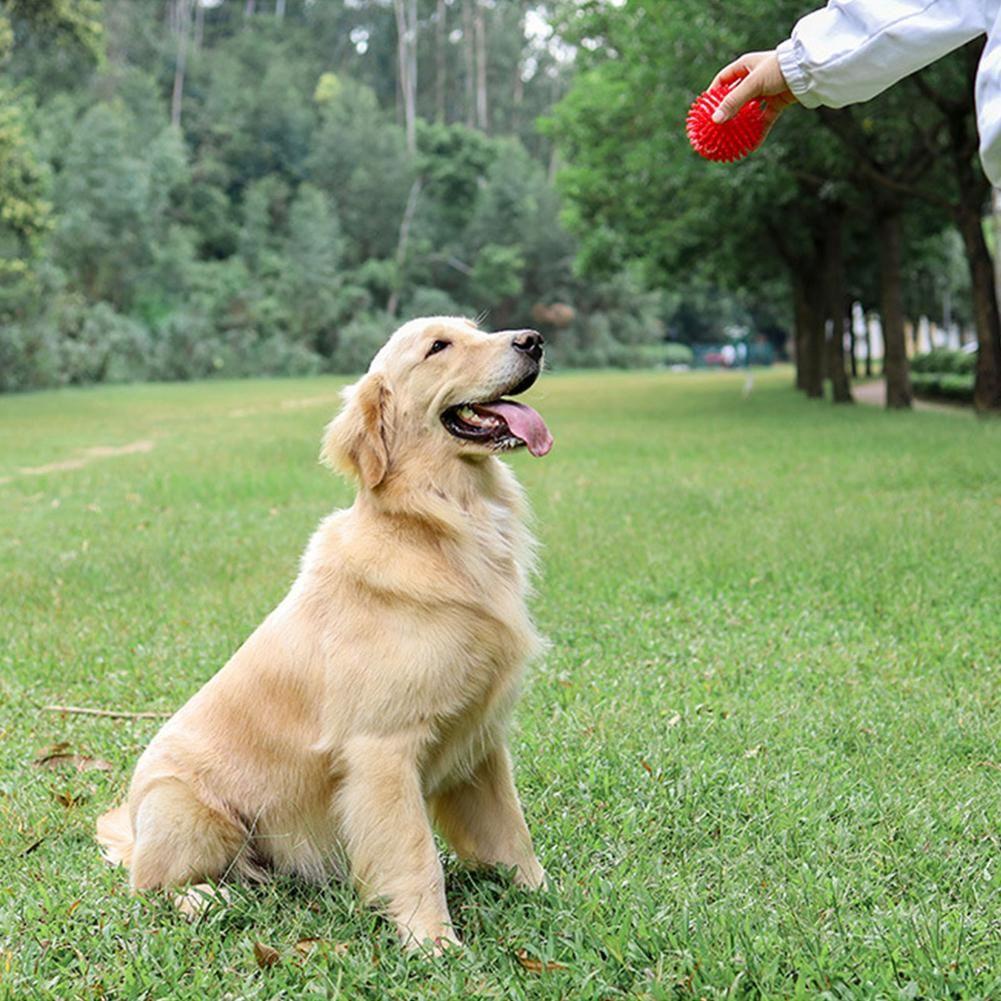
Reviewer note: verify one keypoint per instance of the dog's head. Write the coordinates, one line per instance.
(437, 390)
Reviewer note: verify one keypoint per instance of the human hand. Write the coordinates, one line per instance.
(760, 78)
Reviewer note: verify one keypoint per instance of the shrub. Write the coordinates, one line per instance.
(434, 302)
(29, 357)
(359, 341)
(945, 361)
(943, 385)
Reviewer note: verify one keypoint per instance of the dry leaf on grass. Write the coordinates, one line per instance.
(753, 752)
(69, 799)
(307, 946)
(57, 756)
(534, 965)
(266, 955)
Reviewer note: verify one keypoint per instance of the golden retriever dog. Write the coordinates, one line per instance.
(373, 702)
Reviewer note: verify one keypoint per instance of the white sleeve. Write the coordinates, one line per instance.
(852, 49)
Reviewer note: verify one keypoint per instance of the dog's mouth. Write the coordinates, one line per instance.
(501, 424)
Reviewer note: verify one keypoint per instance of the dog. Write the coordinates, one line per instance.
(372, 704)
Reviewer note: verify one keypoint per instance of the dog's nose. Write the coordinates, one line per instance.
(529, 341)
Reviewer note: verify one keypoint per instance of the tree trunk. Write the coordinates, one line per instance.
(834, 270)
(996, 213)
(987, 387)
(974, 191)
(406, 50)
(440, 39)
(480, 28)
(850, 320)
(401, 246)
(809, 309)
(895, 366)
(469, 51)
(279, 9)
(183, 21)
(199, 25)
(248, 8)
(800, 322)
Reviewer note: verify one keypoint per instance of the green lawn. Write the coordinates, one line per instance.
(762, 758)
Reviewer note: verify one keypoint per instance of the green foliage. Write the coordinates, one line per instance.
(278, 226)
(75, 21)
(943, 385)
(24, 210)
(745, 232)
(945, 361)
(359, 342)
(944, 374)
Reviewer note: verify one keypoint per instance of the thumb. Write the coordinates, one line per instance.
(746, 90)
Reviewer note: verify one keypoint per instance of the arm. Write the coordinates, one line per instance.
(851, 50)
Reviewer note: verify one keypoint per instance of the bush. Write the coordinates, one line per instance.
(943, 385)
(678, 354)
(29, 357)
(359, 341)
(942, 360)
(944, 375)
(434, 302)
(188, 348)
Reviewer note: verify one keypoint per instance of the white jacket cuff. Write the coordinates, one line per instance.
(796, 77)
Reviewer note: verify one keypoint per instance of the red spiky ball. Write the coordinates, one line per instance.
(730, 141)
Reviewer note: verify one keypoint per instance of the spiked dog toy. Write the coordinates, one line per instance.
(731, 140)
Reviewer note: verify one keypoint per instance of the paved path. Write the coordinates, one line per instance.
(873, 392)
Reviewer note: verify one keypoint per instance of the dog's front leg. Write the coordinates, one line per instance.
(483, 821)
(389, 841)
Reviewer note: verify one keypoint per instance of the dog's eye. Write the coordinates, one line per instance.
(436, 347)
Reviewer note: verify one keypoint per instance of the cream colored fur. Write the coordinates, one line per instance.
(373, 701)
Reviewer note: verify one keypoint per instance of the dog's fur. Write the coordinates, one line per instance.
(374, 699)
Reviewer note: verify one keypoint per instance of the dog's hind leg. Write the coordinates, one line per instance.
(179, 840)
(482, 820)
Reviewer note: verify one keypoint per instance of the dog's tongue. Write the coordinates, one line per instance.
(523, 422)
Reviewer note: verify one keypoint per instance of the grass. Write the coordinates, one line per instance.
(761, 759)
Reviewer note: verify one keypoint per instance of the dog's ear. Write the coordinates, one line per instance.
(357, 439)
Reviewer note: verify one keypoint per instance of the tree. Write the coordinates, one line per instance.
(635, 191)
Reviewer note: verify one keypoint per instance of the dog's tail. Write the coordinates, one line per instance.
(114, 834)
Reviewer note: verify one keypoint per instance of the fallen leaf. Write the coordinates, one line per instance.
(674, 720)
(265, 955)
(752, 752)
(534, 965)
(307, 946)
(646, 765)
(69, 800)
(56, 757)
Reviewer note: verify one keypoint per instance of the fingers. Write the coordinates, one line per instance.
(748, 89)
(739, 68)
(763, 79)
(733, 71)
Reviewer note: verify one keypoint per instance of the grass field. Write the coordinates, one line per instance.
(762, 758)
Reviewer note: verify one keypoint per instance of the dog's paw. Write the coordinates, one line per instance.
(531, 876)
(197, 899)
(431, 945)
